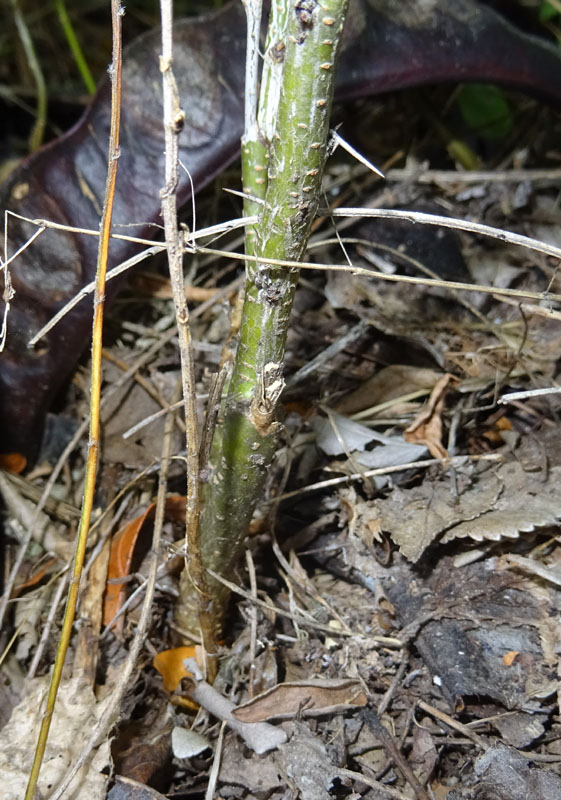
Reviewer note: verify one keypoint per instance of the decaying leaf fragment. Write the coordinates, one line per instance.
(339, 435)
(169, 664)
(76, 713)
(308, 698)
(552, 574)
(508, 775)
(305, 765)
(427, 427)
(489, 508)
(122, 552)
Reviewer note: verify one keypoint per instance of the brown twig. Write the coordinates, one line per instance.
(375, 725)
(174, 119)
(452, 723)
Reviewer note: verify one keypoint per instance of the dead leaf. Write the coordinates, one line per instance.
(491, 507)
(427, 427)
(127, 789)
(424, 755)
(311, 698)
(145, 756)
(520, 729)
(510, 657)
(122, 551)
(305, 765)
(338, 435)
(76, 713)
(390, 383)
(169, 664)
(241, 767)
(35, 576)
(129, 405)
(13, 462)
(415, 517)
(505, 774)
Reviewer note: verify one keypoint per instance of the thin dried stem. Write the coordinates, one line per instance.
(174, 119)
(451, 222)
(382, 276)
(213, 230)
(95, 397)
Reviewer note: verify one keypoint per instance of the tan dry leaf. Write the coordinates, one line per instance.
(526, 503)
(427, 427)
(76, 713)
(414, 518)
(390, 383)
(310, 698)
(547, 573)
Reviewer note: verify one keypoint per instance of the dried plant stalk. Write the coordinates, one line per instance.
(174, 119)
(95, 397)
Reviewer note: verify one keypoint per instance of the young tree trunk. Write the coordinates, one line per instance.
(244, 445)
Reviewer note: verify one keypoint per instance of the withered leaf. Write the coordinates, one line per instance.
(122, 551)
(427, 427)
(310, 698)
(169, 664)
(501, 505)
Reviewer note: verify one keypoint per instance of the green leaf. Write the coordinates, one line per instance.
(486, 110)
(546, 12)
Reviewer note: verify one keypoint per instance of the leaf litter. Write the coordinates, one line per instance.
(431, 596)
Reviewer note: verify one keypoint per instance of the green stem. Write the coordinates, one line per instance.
(249, 432)
(38, 132)
(74, 45)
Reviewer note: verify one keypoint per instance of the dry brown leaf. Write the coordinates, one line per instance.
(305, 765)
(122, 550)
(130, 405)
(525, 503)
(169, 664)
(427, 427)
(311, 698)
(76, 713)
(34, 576)
(424, 754)
(415, 517)
(390, 383)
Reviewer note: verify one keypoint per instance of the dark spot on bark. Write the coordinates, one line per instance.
(304, 11)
